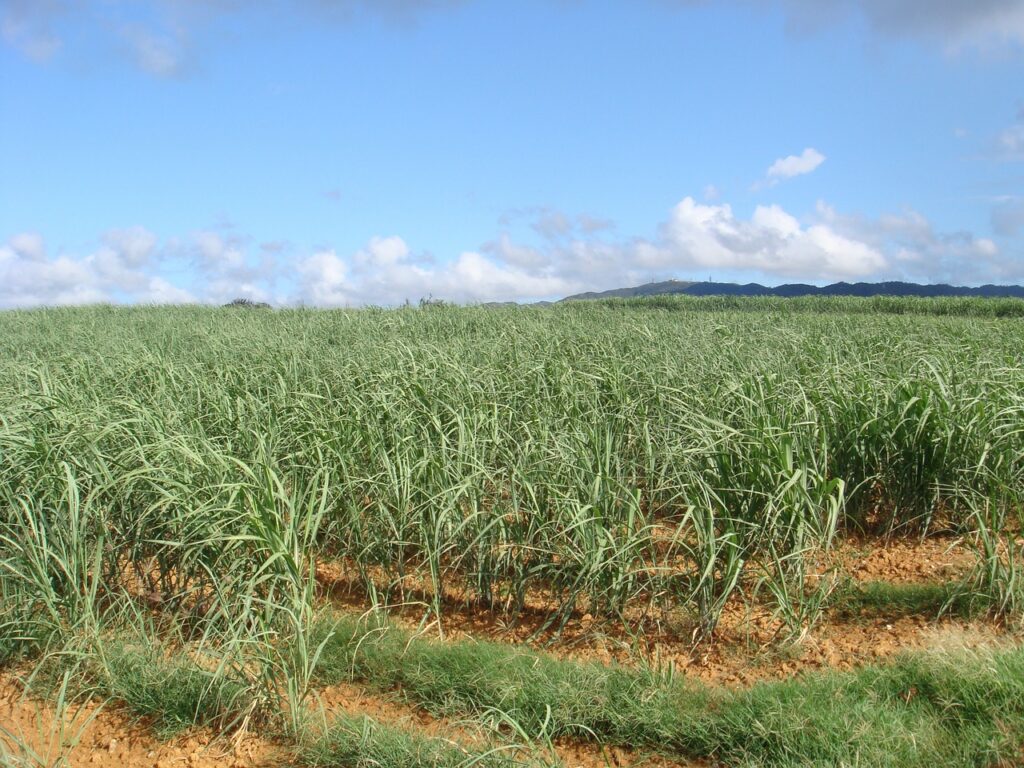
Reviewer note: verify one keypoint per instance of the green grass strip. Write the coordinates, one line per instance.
(175, 693)
(359, 742)
(921, 710)
(172, 690)
(888, 599)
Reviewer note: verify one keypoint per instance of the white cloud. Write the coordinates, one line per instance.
(161, 41)
(29, 246)
(772, 242)
(159, 54)
(28, 277)
(226, 267)
(115, 271)
(217, 253)
(162, 38)
(26, 25)
(552, 224)
(382, 252)
(515, 254)
(323, 280)
(1009, 144)
(386, 272)
(923, 253)
(796, 165)
(160, 291)
(134, 245)
(476, 278)
(770, 245)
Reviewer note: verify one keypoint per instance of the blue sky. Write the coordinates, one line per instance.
(345, 152)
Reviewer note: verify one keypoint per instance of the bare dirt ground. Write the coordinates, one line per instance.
(744, 650)
(105, 737)
(749, 643)
(905, 561)
(96, 736)
(354, 700)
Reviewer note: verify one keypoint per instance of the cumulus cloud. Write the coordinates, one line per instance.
(386, 272)
(226, 267)
(770, 245)
(134, 246)
(131, 266)
(771, 242)
(552, 224)
(28, 246)
(547, 254)
(160, 291)
(518, 255)
(920, 252)
(324, 280)
(796, 165)
(30, 276)
(787, 168)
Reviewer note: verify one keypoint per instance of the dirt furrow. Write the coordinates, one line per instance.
(356, 700)
(750, 643)
(88, 734)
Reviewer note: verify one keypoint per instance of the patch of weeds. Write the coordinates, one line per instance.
(171, 689)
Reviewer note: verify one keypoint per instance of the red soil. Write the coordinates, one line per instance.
(109, 738)
(749, 642)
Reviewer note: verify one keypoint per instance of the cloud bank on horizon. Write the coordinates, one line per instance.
(350, 152)
(131, 266)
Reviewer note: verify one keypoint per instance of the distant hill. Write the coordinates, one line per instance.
(892, 288)
(647, 289)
